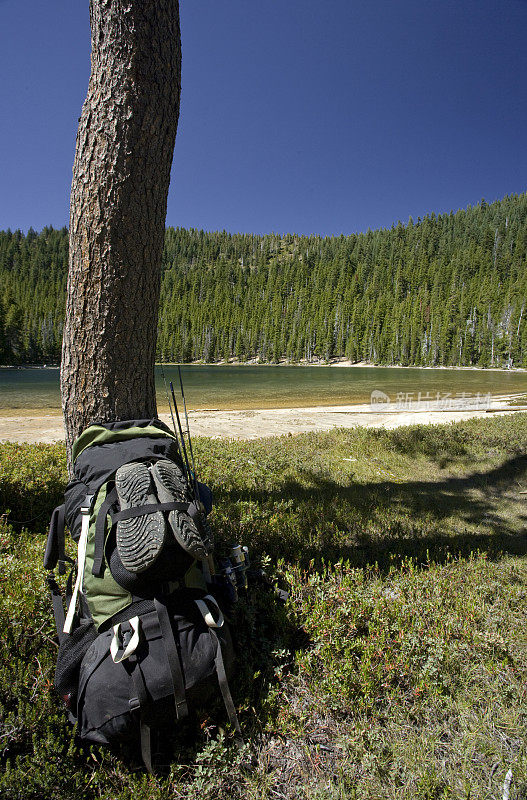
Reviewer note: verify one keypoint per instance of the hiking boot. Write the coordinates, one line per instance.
(139, 539)
(171, 485)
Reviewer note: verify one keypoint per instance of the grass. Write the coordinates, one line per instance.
(397, 668)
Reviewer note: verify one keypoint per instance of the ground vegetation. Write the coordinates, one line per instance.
(397, 667)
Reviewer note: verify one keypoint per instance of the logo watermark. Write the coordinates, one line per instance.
(430, 401)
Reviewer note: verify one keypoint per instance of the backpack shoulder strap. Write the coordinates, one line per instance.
(56, 554)
(55, 545)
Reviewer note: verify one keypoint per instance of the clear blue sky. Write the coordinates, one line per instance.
(297, 116)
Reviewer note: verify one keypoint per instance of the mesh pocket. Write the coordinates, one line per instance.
(71, 652)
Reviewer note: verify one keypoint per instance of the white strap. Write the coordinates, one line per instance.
(206, 612)
(131, 647)
(81, 558)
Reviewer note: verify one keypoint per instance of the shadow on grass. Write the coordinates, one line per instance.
(387, 521)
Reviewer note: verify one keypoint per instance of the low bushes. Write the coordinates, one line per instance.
(397, 667)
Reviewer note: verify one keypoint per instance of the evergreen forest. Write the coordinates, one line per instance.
(448, 289)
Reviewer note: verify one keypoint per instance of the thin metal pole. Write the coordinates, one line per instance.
(208, 564)
(170, 407)
(181, 432)
(188, 435)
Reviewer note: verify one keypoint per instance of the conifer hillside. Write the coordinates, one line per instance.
(448, 289)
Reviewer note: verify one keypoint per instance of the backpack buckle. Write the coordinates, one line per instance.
(134, 703)
(86, 506)
(123, 645)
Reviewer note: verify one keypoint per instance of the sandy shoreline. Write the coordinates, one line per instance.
(334, 362)
(257, 423)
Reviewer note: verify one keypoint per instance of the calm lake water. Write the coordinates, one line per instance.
(234, 387)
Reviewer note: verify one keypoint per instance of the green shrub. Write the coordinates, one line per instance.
(32, 482)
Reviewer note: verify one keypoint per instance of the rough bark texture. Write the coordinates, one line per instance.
(121, 176)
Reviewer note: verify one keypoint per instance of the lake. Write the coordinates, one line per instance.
(245, 387)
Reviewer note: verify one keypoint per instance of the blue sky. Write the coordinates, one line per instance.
(299, 116)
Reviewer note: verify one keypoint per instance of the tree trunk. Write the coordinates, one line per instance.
(121, 176)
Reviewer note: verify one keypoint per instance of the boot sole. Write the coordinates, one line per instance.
(171, 485)
(139, 539)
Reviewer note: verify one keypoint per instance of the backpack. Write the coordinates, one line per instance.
(143, 638)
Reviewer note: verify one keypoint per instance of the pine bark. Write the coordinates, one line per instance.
(121, 176)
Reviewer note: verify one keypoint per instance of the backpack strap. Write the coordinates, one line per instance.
(56, 543)
(214, 619)
(100, 533)
(178, 682)
(56, 554)
(146, 746)
(139, 511)
(140, 704)
(136, 511)
(140, 700)
(58, 607)
(81, 560)
(225, 690)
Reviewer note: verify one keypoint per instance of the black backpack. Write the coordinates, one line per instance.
(144, 637)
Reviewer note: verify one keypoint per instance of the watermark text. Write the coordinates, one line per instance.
(430, 401)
